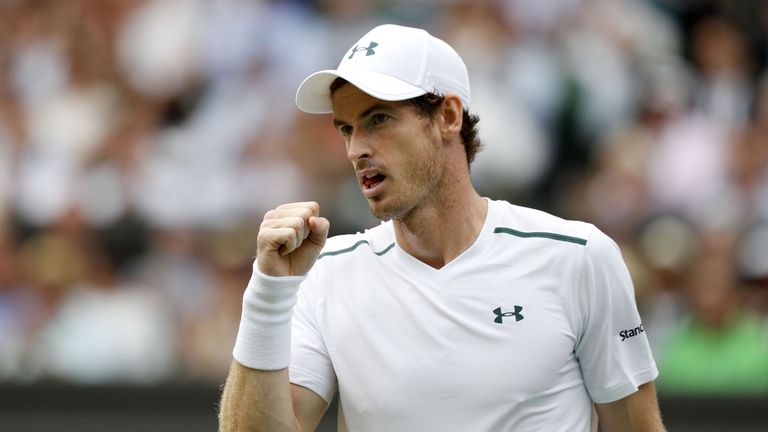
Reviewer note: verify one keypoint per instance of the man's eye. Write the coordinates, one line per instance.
(345, 130)
(379, 118)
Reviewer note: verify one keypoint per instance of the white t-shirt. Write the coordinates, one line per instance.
(522, 331)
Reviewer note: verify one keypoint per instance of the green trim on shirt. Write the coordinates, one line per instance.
(547, 235)
(353, 247)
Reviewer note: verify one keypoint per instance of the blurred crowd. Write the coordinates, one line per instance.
(141, 141)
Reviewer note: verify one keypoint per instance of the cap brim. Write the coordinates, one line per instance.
(314, 95)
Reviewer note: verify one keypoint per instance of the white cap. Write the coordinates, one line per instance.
(391, 63)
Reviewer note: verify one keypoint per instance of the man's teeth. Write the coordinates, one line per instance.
(370, 176)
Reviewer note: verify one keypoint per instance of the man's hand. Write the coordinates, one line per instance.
(290, 239)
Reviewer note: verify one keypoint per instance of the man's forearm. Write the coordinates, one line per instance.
(258, 395)
(638, 412)
(256, 400)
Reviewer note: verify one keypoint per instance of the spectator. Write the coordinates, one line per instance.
(722, 347)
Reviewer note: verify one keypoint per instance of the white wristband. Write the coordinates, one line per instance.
(264, 339)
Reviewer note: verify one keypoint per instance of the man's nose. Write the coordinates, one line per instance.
(359, 146)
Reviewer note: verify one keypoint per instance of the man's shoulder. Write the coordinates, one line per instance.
(528, 222)
(377, 240)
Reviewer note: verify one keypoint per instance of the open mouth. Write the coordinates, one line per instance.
(373, 181)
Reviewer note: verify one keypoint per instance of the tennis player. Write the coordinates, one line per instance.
(457, 312)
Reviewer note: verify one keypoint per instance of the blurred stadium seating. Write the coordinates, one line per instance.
(142, 140)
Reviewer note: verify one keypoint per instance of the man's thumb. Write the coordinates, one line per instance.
(318, 227)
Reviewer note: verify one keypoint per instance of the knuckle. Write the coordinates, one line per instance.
(266, 224)
(289, 205)
(287, 222)
(261, 237)
(270, 214)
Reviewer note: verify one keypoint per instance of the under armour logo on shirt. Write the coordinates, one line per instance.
(500, 315)
(368, 50)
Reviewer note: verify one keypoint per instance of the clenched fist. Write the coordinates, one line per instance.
(290, 239)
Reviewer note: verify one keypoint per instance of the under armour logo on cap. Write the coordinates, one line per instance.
(413, 63)
(499, 315)
(368, 50)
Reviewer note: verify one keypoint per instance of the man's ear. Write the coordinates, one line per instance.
(451, 116)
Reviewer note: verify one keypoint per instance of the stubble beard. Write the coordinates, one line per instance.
(421, 182)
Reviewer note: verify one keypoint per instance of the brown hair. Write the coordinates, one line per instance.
(427, 105)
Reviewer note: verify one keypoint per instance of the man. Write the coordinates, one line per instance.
(458, 313)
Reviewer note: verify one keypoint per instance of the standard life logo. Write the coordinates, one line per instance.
(500, 315)
(628, 333)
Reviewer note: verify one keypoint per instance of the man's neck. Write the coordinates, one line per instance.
(437, 233)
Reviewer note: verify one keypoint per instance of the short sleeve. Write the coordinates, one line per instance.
(612, 347)
(311, 365)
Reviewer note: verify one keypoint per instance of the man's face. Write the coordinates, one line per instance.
(395, 152)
